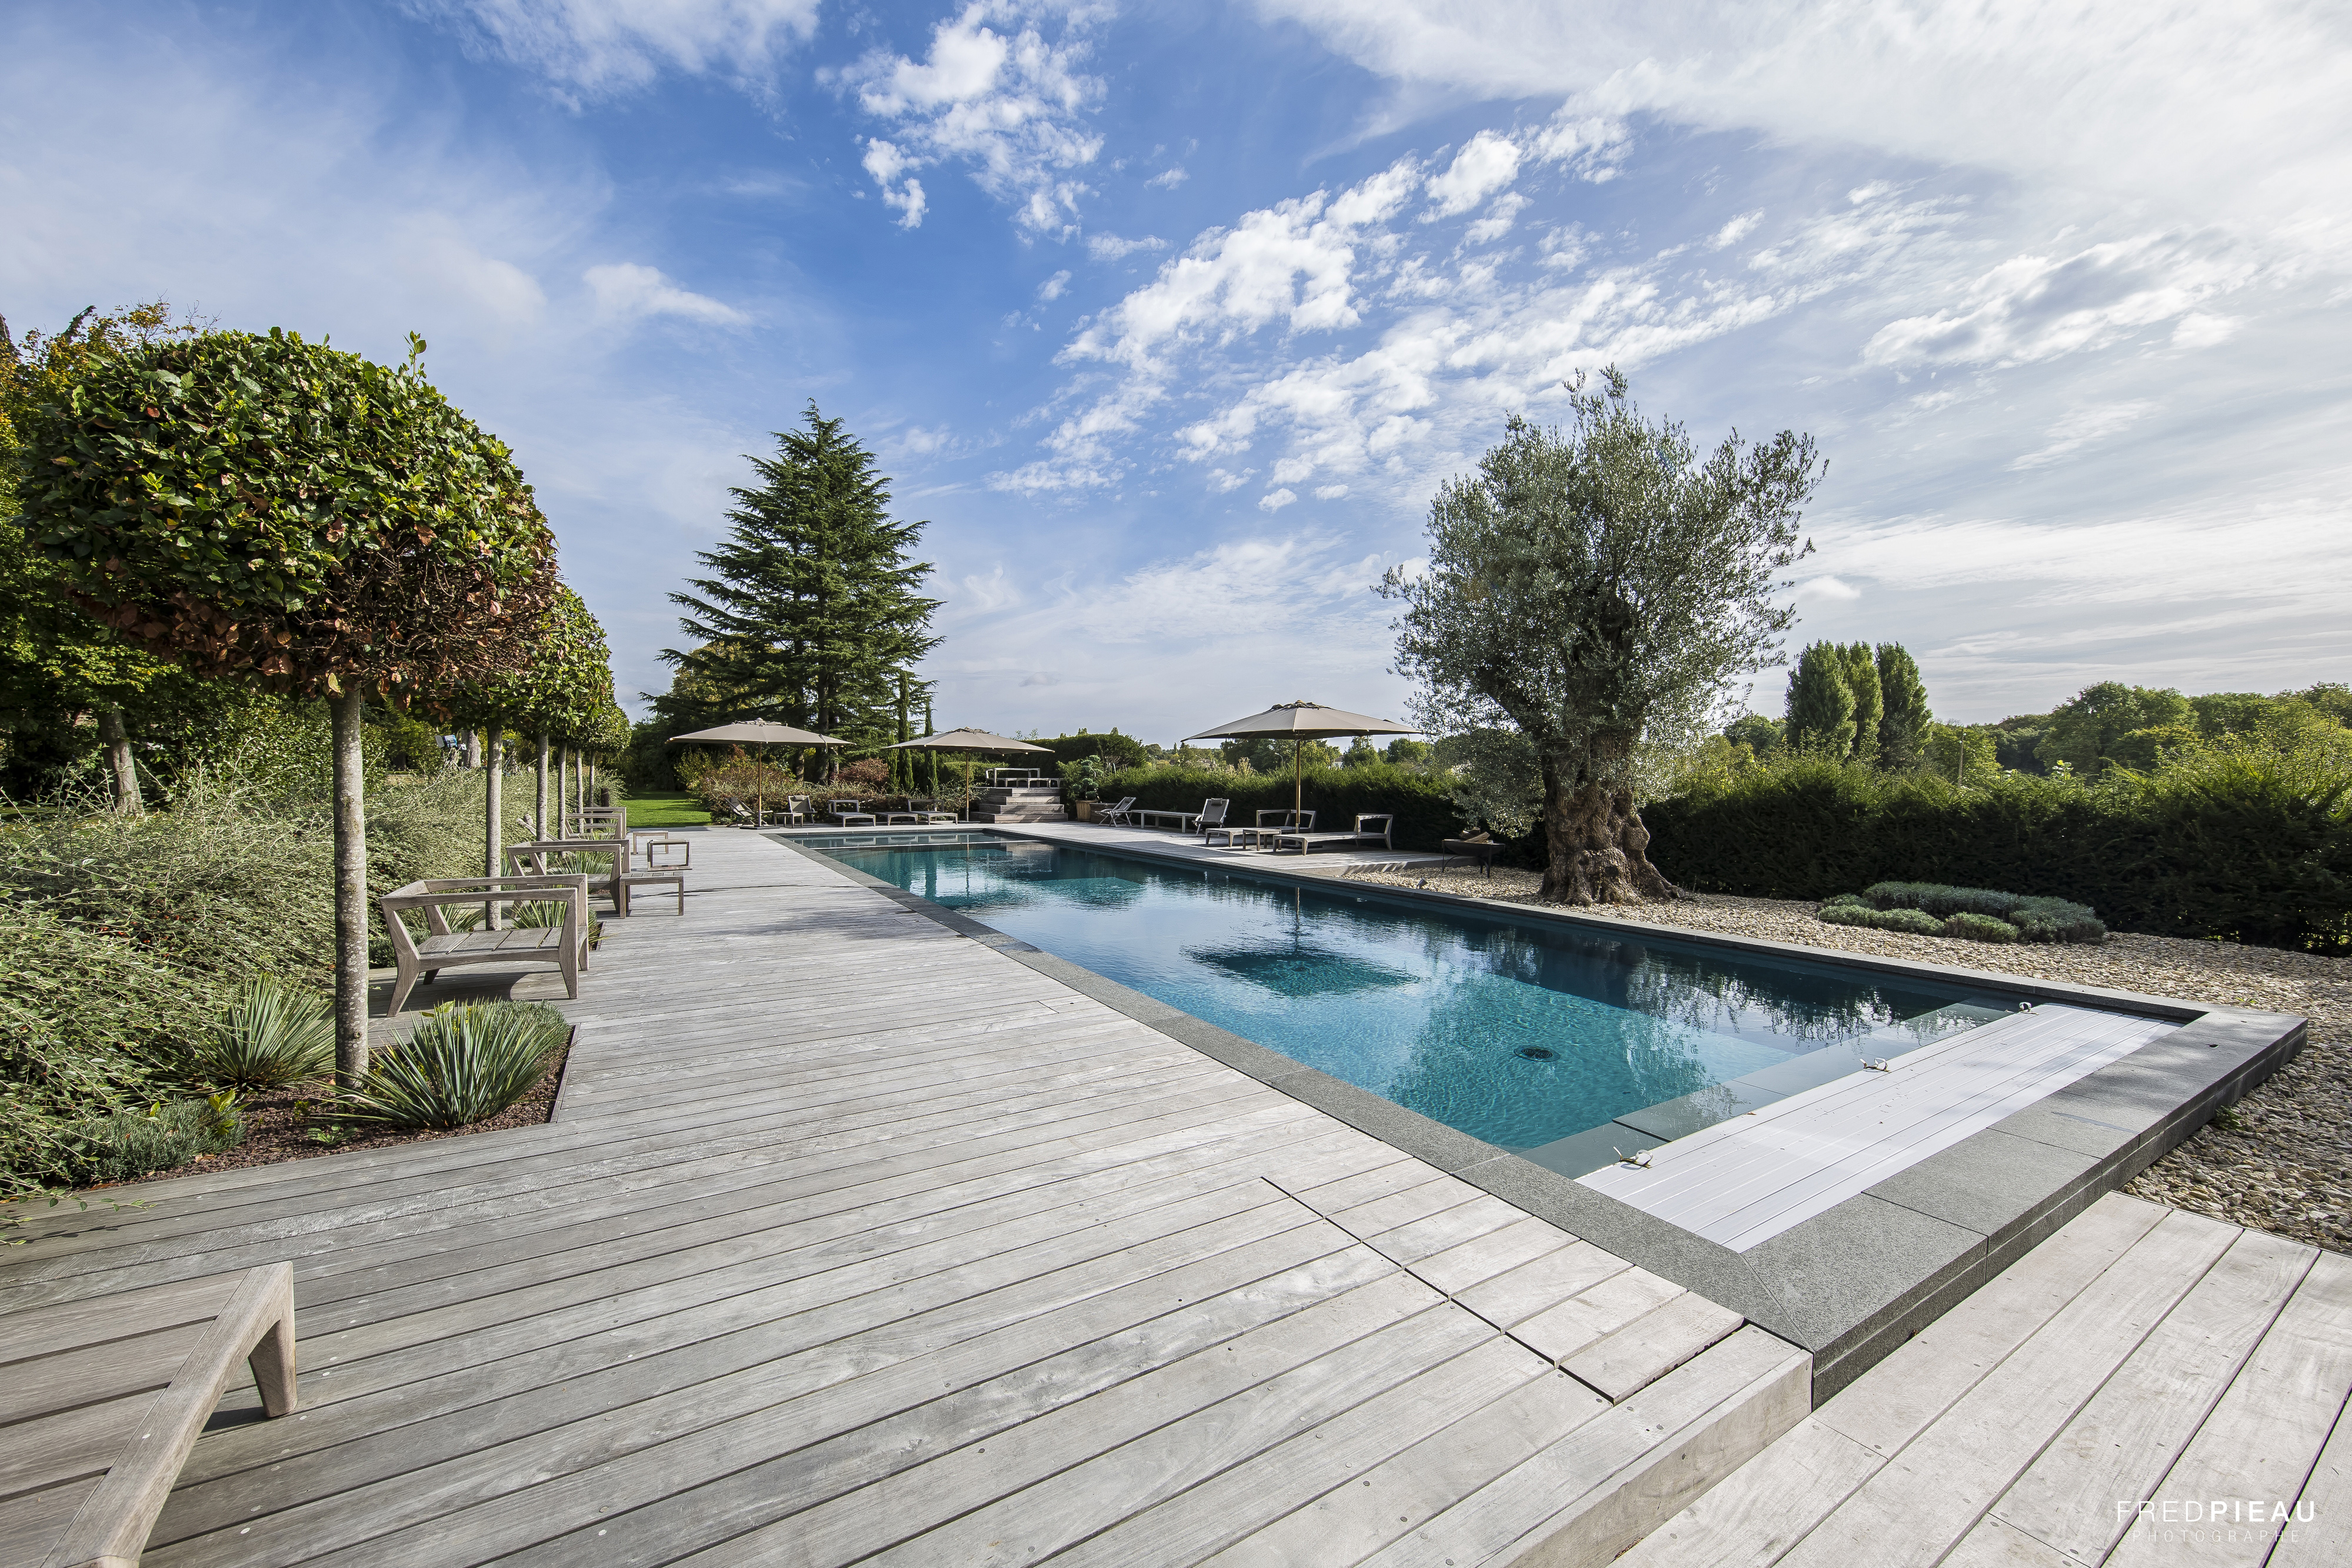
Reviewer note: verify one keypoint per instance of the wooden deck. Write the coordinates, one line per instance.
(1746, 1180)
(2148, 1386)
(856, 1241)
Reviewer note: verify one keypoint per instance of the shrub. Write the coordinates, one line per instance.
(2031, 919)
(1916, 922)
(273, 1034)
(1974, 927)
(2247, 844)
(1423, 802)
(129, 1144)
(464, 1063)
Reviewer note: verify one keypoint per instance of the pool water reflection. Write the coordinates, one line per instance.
(1519, 1034)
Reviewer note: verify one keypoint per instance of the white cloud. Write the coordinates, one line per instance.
(1274, 500)
(1222, 483)
(1169, 179)
(1054, 287)
(900, 189)
(2082, 427)
(1288, 262)
(1110, 247)
(1291, 470)
(1827, 590)
(626, 289)
(1737, 229)
(2033, 307)
(603, 47)
(2198, 331)
(2234, 114)
(1500, 216)
(1330, 492)
(1000, 98)
(1487, 165)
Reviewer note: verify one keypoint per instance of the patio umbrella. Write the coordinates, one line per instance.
(1299, 722)
(760, 732)
(972, 742)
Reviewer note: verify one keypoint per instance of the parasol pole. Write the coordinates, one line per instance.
(1297, 782)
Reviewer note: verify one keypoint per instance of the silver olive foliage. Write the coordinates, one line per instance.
(1592, 584)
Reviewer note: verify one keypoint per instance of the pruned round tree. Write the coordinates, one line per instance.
(278, 511)
(1591, 585)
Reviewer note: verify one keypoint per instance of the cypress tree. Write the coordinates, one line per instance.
(1821, 704)
(1869, 704)
(1902, 724)
(813, 609)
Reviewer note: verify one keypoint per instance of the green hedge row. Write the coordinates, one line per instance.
(2242, 851)
(1423, 802)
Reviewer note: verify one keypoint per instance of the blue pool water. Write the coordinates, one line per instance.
(1519, 1034)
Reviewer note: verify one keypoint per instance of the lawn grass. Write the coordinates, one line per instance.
(666, 812)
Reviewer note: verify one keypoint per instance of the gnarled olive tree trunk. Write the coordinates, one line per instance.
(1597, 851)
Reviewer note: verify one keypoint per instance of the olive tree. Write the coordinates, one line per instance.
(278, 511)
(1590, 586)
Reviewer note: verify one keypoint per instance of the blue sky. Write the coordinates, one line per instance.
(1171, 317)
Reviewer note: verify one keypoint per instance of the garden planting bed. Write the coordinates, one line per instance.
(2281, 1160)
(279, 1126)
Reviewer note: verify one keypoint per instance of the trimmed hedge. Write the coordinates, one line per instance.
(2242, 851)
(1423, 802)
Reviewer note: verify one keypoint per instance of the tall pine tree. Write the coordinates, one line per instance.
(1903, 727)
(1821, 704)
(811, 610)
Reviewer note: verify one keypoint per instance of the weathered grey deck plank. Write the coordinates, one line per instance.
(853, 1236)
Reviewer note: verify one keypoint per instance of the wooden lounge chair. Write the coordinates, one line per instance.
(847, 811)
(925, 811)
(1304, 839)
(564, 946)
(101, 1399)
(1120, 815)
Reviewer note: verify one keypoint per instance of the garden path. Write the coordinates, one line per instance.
(855, 1240)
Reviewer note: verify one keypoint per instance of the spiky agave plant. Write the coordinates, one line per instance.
(274, 1033)
(465, 1063)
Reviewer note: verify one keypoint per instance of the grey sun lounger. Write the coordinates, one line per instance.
(1306, 840)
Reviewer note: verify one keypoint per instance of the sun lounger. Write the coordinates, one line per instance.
(101, 1399)
(1211, 814)
(927, 811)
(846, 813)
(1304, 839)
(564, 946)
(1118, 816)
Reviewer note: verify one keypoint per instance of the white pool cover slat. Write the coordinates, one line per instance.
(1744, 1181)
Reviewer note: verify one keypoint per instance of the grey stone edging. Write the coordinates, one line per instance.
(1853, 1283)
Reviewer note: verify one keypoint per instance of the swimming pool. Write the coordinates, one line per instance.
(1523, 1034)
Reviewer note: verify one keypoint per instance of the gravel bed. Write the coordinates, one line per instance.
(2281, 1160)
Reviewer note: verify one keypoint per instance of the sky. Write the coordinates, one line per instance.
(1169, 320)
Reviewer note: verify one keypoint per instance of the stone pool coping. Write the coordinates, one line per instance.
(1850, 1284)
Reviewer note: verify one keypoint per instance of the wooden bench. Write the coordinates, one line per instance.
(101, 1399)
(625, 885)
(564, 946)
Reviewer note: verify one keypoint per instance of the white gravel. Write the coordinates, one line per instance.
(2280, 1161)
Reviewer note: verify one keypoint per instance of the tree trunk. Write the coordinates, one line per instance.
(120, 763)
(493, 810)
(539, 805)
(1597, 848)
(349, 711)
(473, 748)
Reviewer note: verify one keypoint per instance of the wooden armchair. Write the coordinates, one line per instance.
(565, 946)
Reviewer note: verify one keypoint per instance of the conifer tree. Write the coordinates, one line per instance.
(1821, 704)
(812, 608)
(1869, 704)
(1903, 725)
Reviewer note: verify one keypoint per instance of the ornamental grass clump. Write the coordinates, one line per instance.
(128, 1145)
(272, 1034)
(1849, 910)
(465, 1063)
(2030, 919)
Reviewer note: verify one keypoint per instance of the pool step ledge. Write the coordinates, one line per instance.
(1601, 1489)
